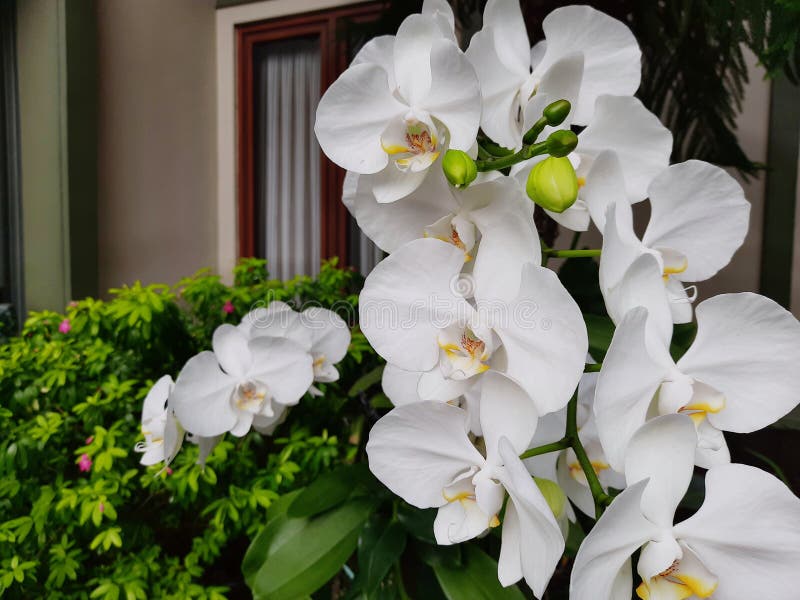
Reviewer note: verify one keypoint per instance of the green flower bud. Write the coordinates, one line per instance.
(561, 142)
(556, 112)
(459, 168)
(552, 184)
(555, 498)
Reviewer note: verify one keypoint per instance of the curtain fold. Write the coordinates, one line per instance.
(288, 186)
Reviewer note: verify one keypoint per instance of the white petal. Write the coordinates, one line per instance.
(508, 240)
(604, 187)
(699, 210)
(277, 319)
(201, 398)
(712, 449)
(663, 451)
(378, 51)
(748, 348)
(562, 81)
(549, 429)
(400, 386)
(173, 438)
(658, 555)
(407, 299)
(608, 547)
(627, 383)
(747, 533)
(419, 449)
(283, 366)
(230, 348)
(540, 541)
(155, 402)
(509, 563)
(412, 56)
(643, 145)
(267, 425)
(545, 339)
(459, 521)
(434, 386)
(499, 85)
(510, 35)
(506, 411)
(612, 56)
(454, 98)
(443, 13)
(352, 115)
(680, 302)
(579, 494)
(392, 225)
(392, 183)
(205, 446)
(330, 333)
(575, 218)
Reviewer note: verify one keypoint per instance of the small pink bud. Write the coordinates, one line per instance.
(85, 463)
(169, 471)
(73, 304)
(228, 307)
(64, 326)
(101, 507)
(89, 440)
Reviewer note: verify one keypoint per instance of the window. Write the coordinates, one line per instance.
(288, 192)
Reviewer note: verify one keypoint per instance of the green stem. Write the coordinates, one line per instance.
(504, 162)
(562, 444)
(592, 367)
(599, 495)
(401, 588)
(576, 237)
(573, 253)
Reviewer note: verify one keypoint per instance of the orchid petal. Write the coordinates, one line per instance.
(412, 57)
(608, 547)
(604, 187)
(509, 563)
(663, 451)
(283, 366)
(612, 59)
(699, 210)
(230, 348)
(443, 13)
(510, 35)
(575, 218)
(628, 381)
(562, 81)
(392, 183)
(398, 293)
(279, 320)
(330, 334)
(459, 521)
(202, 395)
(747, 348)
(400, 386)
(378, 51)
(419, 449)
(643, 145)
(506, 411)
(545, 339)
(352, 115)
(541, 543)
(392, 225)
(747, 533)
(433, 385)
(155, 403)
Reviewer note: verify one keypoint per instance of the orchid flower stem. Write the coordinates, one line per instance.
(576, 237)
(572, 253)
(401, 588)
(508, 161)
(592, 367)
(561, 444)
(599, 495)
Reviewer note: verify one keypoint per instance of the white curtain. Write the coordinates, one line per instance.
(289, 177)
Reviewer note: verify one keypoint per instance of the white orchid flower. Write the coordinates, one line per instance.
(320, 331)
(163, 434)
(226, 389)
(491, 222)
(699, 218)
(423, 454)
(585, 54)
(643, 146)
(416, 316)
(740, 374)
(403, 101)
(563, 467)
(743, 542)
(205, 445)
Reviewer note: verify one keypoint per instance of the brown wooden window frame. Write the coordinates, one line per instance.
(333, 60)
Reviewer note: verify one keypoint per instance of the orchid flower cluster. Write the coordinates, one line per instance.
(501, 417)
(255, 372)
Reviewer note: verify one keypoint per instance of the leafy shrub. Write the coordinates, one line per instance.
(79, 517)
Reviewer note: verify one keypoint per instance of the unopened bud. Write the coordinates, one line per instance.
(555, 498)
(459, 168)
(556, 112)
(552, 184)
(561, 142)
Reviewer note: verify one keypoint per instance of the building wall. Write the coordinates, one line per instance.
(157, 139)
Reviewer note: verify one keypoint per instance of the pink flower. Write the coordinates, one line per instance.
(85, 463)
(64, 326)
(169, 471)
(89, 440)
(101, 507)
(228, 307)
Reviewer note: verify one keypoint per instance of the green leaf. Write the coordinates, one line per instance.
(379, 558)
(259, 548)
(683, 335)
(301, 555)
(581, 278)
(476, 579)
(418, 522)
(329, 490)
(365, 382)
